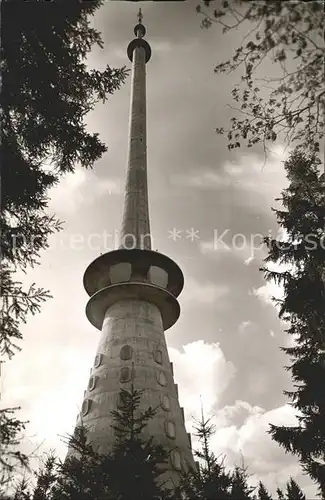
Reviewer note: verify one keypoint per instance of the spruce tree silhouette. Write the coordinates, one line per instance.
(294, 492)
(209, 480)
(137, 462)
(303, 308)
(262, 493)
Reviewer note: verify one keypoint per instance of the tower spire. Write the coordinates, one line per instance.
(135, 231)
(140, 16)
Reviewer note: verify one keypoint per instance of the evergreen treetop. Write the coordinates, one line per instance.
(303, 308)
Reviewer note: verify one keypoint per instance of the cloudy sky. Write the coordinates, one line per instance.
(226, 345)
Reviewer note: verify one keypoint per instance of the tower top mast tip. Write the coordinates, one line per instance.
(140, 16)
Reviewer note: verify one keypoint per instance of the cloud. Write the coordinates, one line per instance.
(235, 414)
(249, 173)
(266, 292)
(49, 388)
(249, 260)
(244, 173)
(208, 179)
(272, 289)
(203, 292)
(163, 46)
(80, 188)
(201, 371)
(250, 437)
(204, 374)
(242, 437)
(247, 327)
(240, 247)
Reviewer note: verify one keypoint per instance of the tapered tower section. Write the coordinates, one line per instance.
(133, 300)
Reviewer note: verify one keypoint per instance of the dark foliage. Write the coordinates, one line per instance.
(289, 107)
(262, 493)
(46, 92)
(10, 432)
(141, 461)
(239, 487)
(210, 480)
(130, 472)
(294, 491)
(303, 218)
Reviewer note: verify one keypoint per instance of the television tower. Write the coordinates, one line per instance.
(133, 300)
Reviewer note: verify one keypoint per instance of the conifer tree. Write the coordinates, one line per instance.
(210, 480)
(83, 475)
(132, 471)
(239, 488)
(137, 462)
(46, 91)
(303, 307)
(10, 456)
(280, 494)
(262, 492)
(294, 492)
(21, 491)
(46, 477)
(204, 431)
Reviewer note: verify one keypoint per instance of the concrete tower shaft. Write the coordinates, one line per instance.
(133, 299)
(136, 227)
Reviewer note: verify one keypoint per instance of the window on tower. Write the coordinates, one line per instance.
(158, 276)
(176, 460)
(170, 429)
(120, 272)
(85, 407)
(92, 383)
(98, 360)
(125, 374)
(126, 352)
(161, 378)
(165, 402)
(158, 356)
